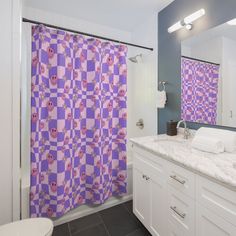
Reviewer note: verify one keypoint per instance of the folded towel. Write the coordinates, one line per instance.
(227, 137)
(208, 144)
(161, 99)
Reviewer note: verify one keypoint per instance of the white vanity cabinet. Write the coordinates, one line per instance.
(173, 201)
(149, 193)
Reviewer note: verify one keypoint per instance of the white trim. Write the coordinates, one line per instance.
(25, 118)
(85, 210)
(16, 68)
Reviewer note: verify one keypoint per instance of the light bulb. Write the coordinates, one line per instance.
(232, 22)
(191, 18)
(175, 27)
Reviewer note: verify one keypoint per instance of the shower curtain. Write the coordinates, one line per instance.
(199, 91)
(78, 121)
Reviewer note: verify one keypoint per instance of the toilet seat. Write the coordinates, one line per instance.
(28, 227)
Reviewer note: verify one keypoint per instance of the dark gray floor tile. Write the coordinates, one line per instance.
(119, 221)
(84, 223)
(98, 230)
(129, 206)
(140, 232)
(61, 230)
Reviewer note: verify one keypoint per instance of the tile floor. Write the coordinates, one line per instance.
(116, 221)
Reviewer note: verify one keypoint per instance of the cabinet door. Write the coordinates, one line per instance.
(150, 194)
(208, 223)
(157, 206)
(140, 196)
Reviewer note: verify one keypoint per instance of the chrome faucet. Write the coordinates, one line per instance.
(186, 130)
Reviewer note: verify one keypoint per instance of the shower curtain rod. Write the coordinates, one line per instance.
(209, 62)
(86, 34)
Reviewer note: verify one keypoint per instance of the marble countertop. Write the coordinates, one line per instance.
(220, 167)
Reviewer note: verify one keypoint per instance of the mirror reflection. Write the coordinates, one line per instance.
(208, 76)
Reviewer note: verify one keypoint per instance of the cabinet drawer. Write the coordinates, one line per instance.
(181, 211)
(150, 157)
(217, 198)
(147, 167)
(181, 179)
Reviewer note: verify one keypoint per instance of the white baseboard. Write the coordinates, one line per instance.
(88, 210)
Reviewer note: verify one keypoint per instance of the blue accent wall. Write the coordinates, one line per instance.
(169, 47)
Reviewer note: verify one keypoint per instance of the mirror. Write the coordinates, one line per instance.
(208, 76)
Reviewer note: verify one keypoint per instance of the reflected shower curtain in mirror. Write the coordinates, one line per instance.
(78, 121)
(199, 91)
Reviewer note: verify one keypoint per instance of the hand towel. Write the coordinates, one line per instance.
(227, 137)
(161, 99)
(208, 144)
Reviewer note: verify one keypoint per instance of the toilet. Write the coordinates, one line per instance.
(28, 227)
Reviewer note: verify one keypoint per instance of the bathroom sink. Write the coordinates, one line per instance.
(172, 144)
(169, 141)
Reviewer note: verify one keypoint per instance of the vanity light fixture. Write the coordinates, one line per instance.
(175, 27)
(189, 26)
(232, 22)
(187, 21)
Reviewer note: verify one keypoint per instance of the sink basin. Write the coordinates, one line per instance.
(173, 144)
(234, 165)
(169, 141)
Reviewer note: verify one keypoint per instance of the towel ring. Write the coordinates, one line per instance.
(163, 83)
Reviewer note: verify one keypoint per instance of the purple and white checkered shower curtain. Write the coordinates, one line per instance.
(78, 121)
(199, 91)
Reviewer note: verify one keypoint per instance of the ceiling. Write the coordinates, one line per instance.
(120, 14)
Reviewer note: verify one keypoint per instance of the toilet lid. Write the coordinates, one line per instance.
(28, 227)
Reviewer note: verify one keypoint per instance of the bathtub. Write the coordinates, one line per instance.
(81, 211)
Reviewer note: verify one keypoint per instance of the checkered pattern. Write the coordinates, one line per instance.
(199, 91)
(78, 123)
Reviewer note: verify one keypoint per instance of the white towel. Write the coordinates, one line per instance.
(227, 137)
(208, 144)
(161, 99)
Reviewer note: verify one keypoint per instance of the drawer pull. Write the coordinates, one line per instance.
(174, 177)
(182, 215)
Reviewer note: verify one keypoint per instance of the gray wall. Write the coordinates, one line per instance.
(169, 47)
